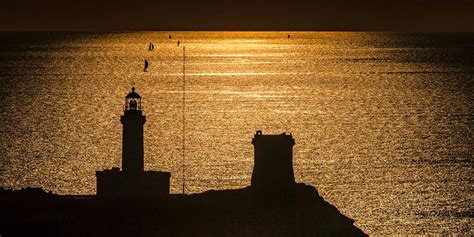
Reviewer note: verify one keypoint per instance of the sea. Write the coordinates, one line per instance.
(383, 121)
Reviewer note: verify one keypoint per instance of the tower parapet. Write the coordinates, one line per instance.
(273, 161)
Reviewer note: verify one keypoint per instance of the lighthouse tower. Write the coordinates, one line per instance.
(132, 181)
(132, 140)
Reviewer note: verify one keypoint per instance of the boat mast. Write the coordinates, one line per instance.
(184, 119)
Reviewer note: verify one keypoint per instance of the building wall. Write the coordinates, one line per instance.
(273, 161)
(118, 184)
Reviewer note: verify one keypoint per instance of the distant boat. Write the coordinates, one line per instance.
(169, 36)
(145, 66)
(178, 43)
(151, 47)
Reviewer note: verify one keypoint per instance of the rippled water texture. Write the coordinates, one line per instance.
(382, 121)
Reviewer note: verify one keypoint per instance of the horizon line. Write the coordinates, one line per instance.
(230, 30)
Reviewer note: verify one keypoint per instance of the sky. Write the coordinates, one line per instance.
(337, 15)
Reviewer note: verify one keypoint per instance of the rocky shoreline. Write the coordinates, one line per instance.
(299, 211)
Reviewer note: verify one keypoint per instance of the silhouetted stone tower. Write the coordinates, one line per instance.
(273, 161)
(132, 141)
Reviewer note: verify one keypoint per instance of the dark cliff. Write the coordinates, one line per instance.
(299, 211)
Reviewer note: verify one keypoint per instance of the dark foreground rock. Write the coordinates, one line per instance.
(299, 211)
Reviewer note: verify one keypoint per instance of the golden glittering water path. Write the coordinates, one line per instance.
(382, 121)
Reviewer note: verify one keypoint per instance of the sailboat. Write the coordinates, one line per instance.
(151, 47)
(145, 66)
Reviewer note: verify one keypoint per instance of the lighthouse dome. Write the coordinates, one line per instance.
(133, 94)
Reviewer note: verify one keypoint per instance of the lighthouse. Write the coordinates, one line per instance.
(132, 181)
(132, 137)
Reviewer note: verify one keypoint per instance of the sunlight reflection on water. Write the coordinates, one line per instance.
(382, 121)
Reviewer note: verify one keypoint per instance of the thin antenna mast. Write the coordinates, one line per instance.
(184, 119)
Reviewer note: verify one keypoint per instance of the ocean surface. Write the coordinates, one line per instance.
(383, 122)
